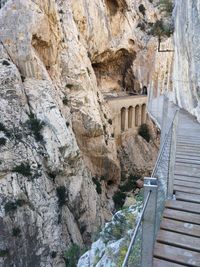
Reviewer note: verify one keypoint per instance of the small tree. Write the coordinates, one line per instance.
(61, 194)
(72, 255)
(144, 132)
(166, 6)
(142, 9)
(36, 126)
(23, 168)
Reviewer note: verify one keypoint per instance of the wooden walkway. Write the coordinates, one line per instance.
(178, 240)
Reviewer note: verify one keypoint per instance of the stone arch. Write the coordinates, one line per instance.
(137, 114)
(143, 119)
(123, 118)
(130, 117)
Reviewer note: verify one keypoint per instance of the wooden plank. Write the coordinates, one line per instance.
(188, 144)
(187, 147)
(179, 240)
(180, 227)
(183, 169)
(187, 178)
(187, 158)
(177, 255)
(182, 216)
(190, 161)
(186, 183)
(187, 166)
(187, 189)
(187, 197)
(162, 263)
(187, 153)
(187, 150)
(182, 205)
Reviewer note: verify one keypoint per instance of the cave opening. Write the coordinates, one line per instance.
(113, 70)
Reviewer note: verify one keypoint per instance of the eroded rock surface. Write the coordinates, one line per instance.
(56, 60)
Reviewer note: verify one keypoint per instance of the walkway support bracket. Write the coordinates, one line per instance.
(149, 221)
(172, 158)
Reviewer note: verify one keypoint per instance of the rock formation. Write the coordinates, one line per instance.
(57, 59)
(186, 76)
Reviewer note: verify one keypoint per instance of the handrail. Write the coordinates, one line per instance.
(135, 231)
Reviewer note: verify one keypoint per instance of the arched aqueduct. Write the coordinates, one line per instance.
(129, 112)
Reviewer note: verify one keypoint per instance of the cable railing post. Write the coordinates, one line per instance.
(149, 222)
(172, 156)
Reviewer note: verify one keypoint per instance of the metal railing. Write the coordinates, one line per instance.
(136, 230)
(157, 189)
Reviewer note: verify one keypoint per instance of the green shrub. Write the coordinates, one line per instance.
(16, 231)
(98, 185)
(24, 169)
(61, 194)
(110, 121)
(53, 254)
(65, 101)
(142, 26)
(72, 255)
(35, 125)
(2, 141)
(119, 199)
(142, 9)
(67, 124)
(161, 29)
(4, 253)
(5, 63)
(103, 178)
(130, 184)
(10, 206)
(166, 6)
(3, 129)
(144, 132)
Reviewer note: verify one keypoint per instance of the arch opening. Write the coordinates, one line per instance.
(130, 117)
(137, 108)
(123, 119)
(143, 113)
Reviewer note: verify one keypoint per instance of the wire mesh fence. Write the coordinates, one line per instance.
(162, 172)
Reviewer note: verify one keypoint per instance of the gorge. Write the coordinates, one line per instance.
(65, 152)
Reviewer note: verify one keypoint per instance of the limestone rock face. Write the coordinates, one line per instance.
(57, 57)
(186, 74)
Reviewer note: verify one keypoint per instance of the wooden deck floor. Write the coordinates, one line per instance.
(178, 240)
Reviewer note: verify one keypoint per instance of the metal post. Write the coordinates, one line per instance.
(172, 156)
(164, 118)
(149, 222)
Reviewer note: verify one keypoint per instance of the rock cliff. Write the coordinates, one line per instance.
(57, 59)
(186, 74)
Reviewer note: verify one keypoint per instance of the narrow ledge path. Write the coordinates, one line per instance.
(178, 240)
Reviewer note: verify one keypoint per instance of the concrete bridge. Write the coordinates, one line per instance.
(128, 112)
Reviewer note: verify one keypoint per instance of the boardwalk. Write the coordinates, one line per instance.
(178, 240)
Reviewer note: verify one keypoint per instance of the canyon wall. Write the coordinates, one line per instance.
(186, 76)
(57, 60)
